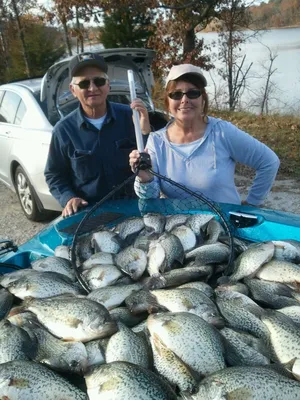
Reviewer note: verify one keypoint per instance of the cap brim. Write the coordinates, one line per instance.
(176, 76)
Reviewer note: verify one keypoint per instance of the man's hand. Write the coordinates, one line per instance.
(139, 106)
(73, 206)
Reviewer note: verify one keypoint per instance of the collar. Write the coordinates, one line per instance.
(81, 121)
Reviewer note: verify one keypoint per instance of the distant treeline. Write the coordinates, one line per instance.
(276, 13)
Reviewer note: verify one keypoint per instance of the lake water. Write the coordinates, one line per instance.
(285, 43)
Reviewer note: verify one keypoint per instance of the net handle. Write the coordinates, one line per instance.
(136, 118)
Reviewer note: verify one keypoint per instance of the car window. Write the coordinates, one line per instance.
(20, 113)
(9, 106)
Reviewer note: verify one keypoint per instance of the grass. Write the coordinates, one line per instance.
(280, 132)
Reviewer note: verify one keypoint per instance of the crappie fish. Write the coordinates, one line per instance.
(235, 287)
(214, 230)
(292, 312)
(186, 236)
(287, 250)
(6, 302)
(98, 259)
(239, 317)
(72, 318)
(27, 380)
(247, 383)
(198, 222)
(113, 296)
(239, 353)
(284, 336)
(106, 241)
(11, 277)
(243, 300)
(100, 276)
(55, 264)
(189, 300)
(96, 351)
(178, 276)
(144, 239)
(154, 222)
(123, 314)
(125, 345)
(280, 271)
(143, 301)
(209, 253)
(194, 341)
(69, 357)
(251, 260)
(84, 249)
(202, 286)
(172, 221)
(207, 269)
(132, 261)
(15, 343)
(163, 253)
(43, 284)
(62, 251)
(122, 380)
(129, 228)
(271, 294)
(172, 368)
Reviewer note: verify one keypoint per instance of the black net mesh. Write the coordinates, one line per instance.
(137, 221)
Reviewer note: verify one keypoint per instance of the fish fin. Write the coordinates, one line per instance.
(289, 364)
(156, 281)
(74, 322)
(240, 394)
(16, 310)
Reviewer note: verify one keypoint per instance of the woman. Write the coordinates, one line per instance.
(201, 152)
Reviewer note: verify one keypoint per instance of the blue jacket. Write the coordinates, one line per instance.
(210, 167)
(88, 163)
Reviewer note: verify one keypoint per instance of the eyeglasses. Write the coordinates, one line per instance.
(85, 84)
(190, 94)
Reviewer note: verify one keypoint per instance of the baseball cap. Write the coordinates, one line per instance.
(86, 60)
(178, 70)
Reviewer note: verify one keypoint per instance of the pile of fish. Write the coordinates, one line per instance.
(162, 320)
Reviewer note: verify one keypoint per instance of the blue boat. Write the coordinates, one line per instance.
(248, 223)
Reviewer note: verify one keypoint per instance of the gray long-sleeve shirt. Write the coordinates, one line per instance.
(210, 167)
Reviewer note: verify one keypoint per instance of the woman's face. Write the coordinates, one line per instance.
(186, 109)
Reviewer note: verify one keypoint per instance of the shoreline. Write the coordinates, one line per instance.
(209, 30)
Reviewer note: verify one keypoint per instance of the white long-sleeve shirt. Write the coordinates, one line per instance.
(209, 166)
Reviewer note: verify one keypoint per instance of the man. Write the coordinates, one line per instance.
(89, 150)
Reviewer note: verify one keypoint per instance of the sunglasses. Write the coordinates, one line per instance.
(85, 84)
(190, 94)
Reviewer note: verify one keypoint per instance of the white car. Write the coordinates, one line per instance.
(30, 108)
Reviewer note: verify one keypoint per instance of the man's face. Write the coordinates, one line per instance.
(93, 97)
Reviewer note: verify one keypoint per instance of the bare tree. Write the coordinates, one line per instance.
(268, 84)
(234, 19)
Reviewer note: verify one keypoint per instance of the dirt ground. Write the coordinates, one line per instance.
(285, 196)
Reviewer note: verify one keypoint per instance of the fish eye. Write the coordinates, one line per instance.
(74, 364)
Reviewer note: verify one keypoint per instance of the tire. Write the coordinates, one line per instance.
(27, 196)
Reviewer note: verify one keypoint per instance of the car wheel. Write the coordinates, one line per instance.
(26, 196)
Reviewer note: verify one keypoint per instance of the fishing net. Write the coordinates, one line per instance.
(110, 211)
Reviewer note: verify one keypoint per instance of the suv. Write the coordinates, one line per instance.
(30, 108)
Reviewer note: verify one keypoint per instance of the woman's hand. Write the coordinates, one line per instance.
(144, 175)
(140, 107)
